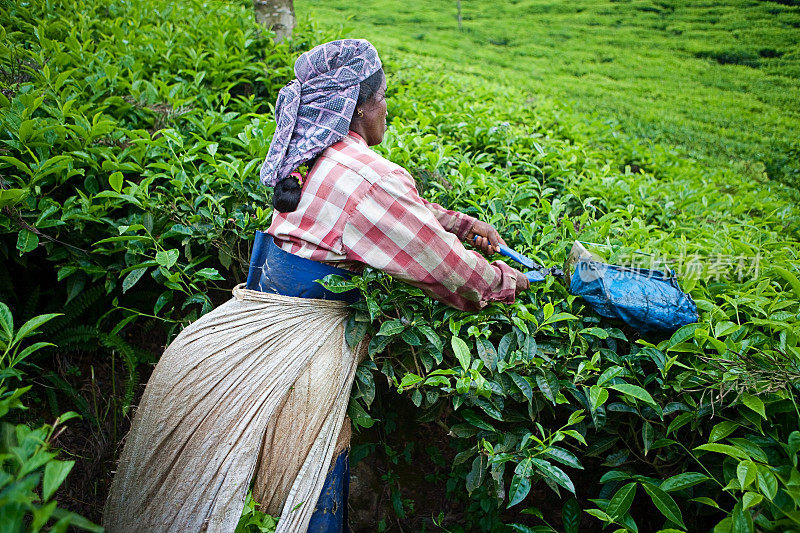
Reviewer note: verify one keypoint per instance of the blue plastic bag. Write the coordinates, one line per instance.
(649, 301)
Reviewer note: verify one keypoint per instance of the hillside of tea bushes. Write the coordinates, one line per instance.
(718, 79)
(130, 138)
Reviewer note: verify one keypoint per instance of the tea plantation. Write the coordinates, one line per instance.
(130, 139)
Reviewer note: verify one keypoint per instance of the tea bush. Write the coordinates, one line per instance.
(30, 473)
(131, 137)
(535, 390)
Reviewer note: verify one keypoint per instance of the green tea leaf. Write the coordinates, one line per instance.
(115, 180)
(745, 473)
(11, 197)
(634, 391)
(724, 449)
(682, 335)
(6, 321)
(358, 415)
(754, 403)
(683, 481)
(794, 283)
(621, 501)
(767, 482)
(554, 473)
(28, 327)
(208, 273)
(477, 473)
(27, 241)
(461, 351)
(680, 421)
(55, 472)
(609, 374)
(131, 279)
(432, 337)
(391, 327)
(597, 396)
(706, 501)
(751, 499)
(548, 384)
(476, 420)
(519, 489)
(725, 328)
(487, 353)
(354, 331)
(722, 430)
(571, 516)
(647, 436)
(563, 456)
(523, 385)
(167, 258)
(741, 521)
(409, 380)
(665, 504)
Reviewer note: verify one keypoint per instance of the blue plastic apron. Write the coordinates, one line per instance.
(276, 271)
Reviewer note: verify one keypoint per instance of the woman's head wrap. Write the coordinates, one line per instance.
(313, 111)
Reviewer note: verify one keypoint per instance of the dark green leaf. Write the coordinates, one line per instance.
(522, 383)
(571, 516)
(476, 420)
(519, 489)
(665, 504)
(679, 421)
(377, 345)
(477, 473)
(548, 384)
(358, 415)
(554, 473)
(27, 241)
(391, 327)
(132, 277)
(563, 456)
(609, 374)
(722, 430)
(647, 436)
(461, 351)
(487, 353)
(683, 481)
(6, 321)
(432, 337)
(634, 391)
(621, 501)
(754, 403)
(354, 331)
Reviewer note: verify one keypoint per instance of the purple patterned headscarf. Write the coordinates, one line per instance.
(313, 111)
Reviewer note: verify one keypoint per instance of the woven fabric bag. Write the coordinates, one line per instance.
(257, 388)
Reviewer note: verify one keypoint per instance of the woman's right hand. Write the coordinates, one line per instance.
(522, 282)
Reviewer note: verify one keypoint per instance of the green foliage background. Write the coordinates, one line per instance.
(717, 79)
(130, 136)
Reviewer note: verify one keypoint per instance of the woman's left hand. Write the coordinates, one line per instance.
(487, 238)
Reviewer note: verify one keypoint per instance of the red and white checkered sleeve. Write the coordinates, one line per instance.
(392, 229)
(452, 221)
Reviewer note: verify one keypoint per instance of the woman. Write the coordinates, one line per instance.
(257, 389)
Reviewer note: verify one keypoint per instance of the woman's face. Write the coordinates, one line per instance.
(373, 123)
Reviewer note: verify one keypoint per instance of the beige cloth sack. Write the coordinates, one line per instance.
(259, 388)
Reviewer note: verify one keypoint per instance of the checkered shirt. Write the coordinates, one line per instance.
(358, 208)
